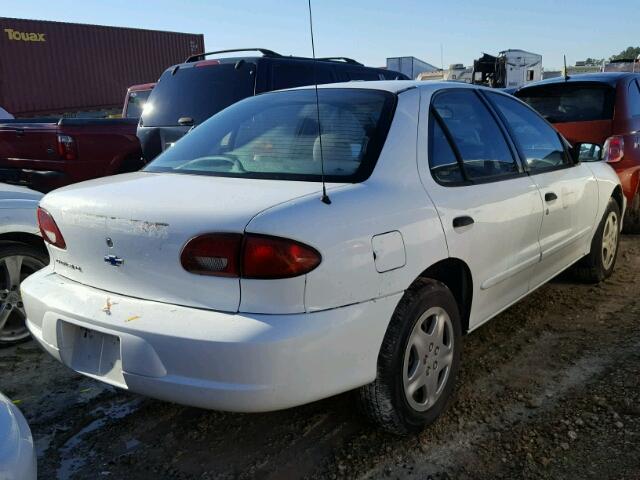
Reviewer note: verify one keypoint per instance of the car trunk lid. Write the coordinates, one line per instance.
(125, 234)
(596, 131)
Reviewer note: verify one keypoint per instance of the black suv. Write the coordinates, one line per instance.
(189, 93)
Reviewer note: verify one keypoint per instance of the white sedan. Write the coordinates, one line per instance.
(22, 252)
(221, 277)
(17, 452)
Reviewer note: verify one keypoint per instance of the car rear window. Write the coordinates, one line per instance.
(571, 101)
(135, 103)
(276, 136)
(197, 92)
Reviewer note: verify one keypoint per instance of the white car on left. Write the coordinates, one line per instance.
(17, 454)
(22, 252)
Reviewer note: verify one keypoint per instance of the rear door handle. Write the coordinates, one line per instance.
(550, 197)
(462, 221)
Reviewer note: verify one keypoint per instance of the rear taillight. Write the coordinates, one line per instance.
(67, 147)
(213, 254)
(248, 256)
(49, 230)
(614, 149)
(275, 257)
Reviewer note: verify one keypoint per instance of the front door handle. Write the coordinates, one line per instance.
(550, 197)
(462, 221)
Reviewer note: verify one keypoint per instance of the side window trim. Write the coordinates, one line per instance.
(454, 148)
(467, 181)
(567, 157)
(516, 153)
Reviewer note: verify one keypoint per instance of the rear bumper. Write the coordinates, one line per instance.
(235, 362)
(40, 180)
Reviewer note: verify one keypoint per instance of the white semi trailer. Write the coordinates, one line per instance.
(510, 69)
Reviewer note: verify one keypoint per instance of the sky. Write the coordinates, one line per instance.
(371, 30)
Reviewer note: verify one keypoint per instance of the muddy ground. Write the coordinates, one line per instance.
(548, 389)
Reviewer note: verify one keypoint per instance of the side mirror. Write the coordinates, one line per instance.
(586, 152)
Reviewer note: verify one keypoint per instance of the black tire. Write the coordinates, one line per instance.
(631, 224)
(591, 268)
(14, 331)
(384, 401)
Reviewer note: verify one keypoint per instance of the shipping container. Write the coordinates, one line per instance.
(49, 68)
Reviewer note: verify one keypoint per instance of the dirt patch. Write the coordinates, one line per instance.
(548, 389)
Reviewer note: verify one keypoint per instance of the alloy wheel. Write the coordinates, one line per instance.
(13, 270)
(428, 358)
(610, 240)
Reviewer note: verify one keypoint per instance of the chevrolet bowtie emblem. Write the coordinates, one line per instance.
(113, 260)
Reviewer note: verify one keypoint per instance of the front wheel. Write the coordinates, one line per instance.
(599, 263)
(418, 361)
(17, 262)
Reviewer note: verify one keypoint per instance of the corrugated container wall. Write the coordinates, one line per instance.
(51, 67)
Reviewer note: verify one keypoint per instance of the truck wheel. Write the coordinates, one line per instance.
(601, 260)
(631, 222)
(17, 262)
(418, 361)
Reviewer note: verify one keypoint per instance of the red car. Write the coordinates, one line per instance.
(599, 108)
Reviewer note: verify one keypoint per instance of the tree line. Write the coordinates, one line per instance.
(628, 54)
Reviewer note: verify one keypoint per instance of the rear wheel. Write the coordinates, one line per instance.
(601, 260)
(17, 262)
(631, 222)
(418, 361)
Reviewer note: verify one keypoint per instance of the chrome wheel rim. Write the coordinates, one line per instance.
(427, 359)
(13, 270)
(610, 240)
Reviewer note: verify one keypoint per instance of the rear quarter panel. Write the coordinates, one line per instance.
(392, 199)
(18, 216)
(607, 182)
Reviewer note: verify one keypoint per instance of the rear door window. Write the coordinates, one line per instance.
(538, 141)
(478, 139)
(298, 74)
(197, 92)
(571, 102)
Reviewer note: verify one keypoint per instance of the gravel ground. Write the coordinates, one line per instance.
(548, 389)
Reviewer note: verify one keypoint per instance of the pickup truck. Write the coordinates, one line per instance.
(48, 154)
(44, 154)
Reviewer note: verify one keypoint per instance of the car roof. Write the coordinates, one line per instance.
(609, 78)
(286, 58)
(397, 86)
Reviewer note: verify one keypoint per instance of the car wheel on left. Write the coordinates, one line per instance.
(17, 262)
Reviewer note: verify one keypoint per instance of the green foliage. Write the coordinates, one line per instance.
(629, 53)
